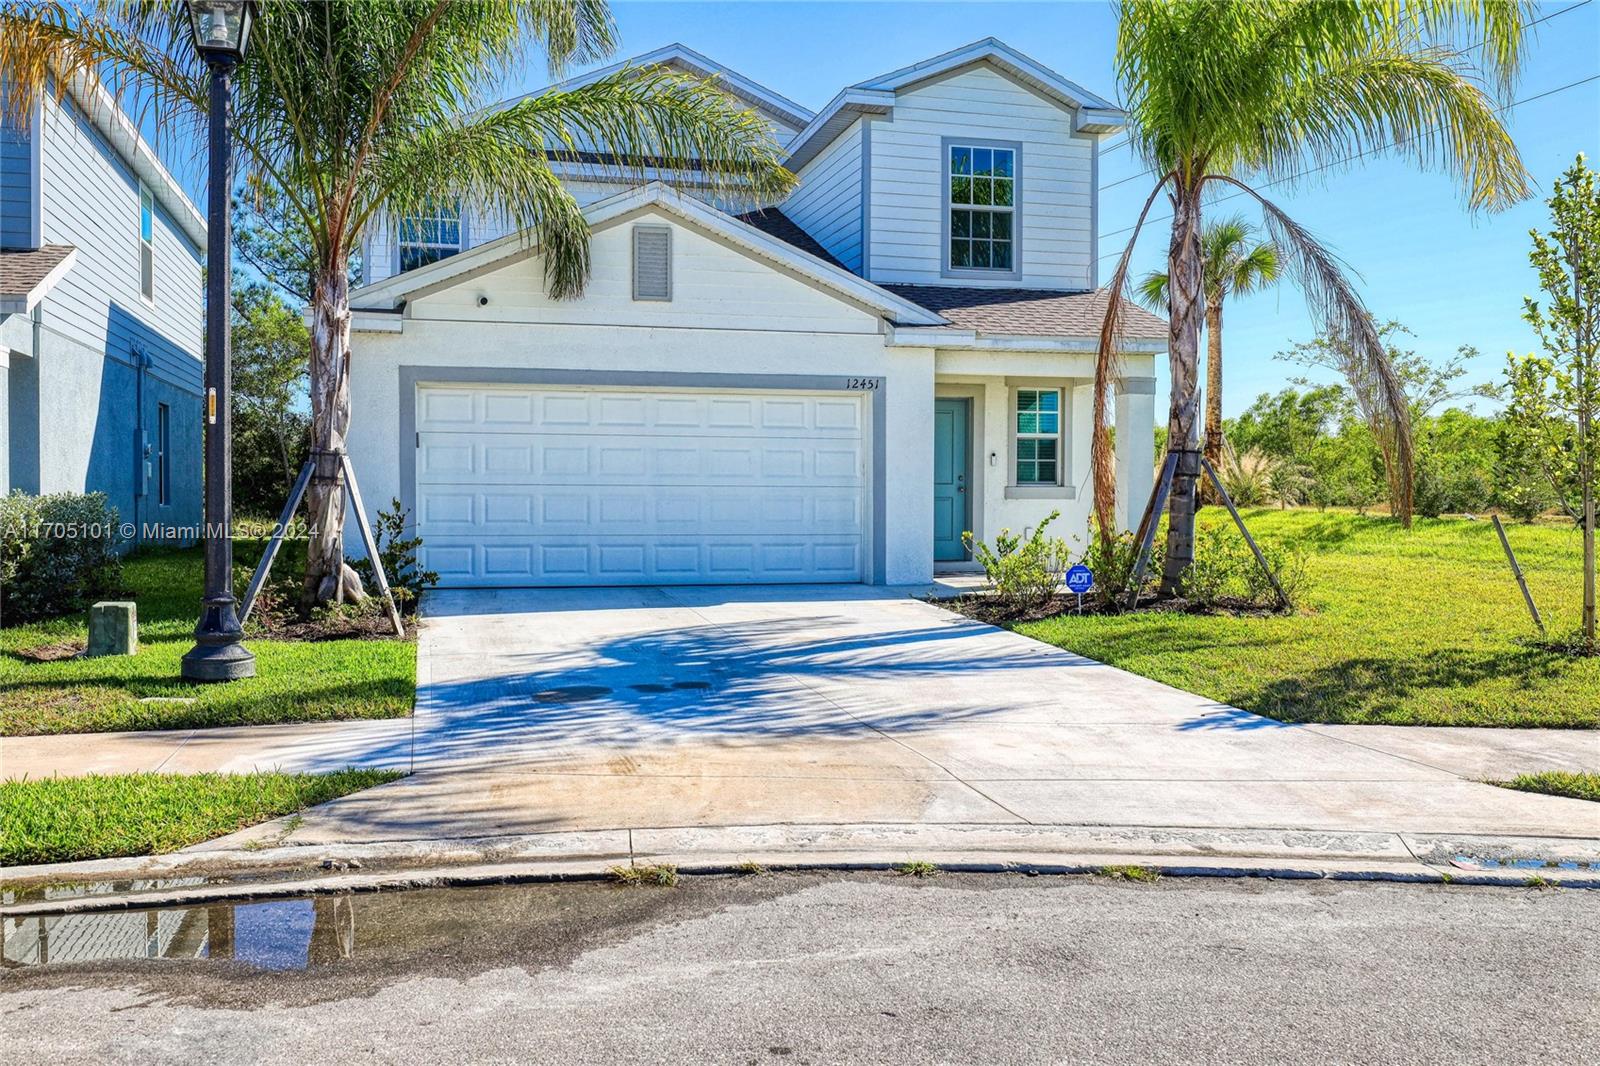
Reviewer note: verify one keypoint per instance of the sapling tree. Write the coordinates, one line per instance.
(1555, 396)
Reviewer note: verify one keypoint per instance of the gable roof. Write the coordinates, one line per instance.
(684, 58)
(829, 276)
(1092, 113)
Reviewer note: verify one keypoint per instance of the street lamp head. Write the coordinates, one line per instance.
(221, 28)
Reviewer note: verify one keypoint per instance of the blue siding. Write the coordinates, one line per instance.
(91, 200)
(16, 186)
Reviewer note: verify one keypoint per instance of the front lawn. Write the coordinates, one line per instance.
(102, 816)
(1581, 786)
(295, 681)
(1424, 627)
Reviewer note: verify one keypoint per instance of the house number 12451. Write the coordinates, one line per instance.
(863, 383)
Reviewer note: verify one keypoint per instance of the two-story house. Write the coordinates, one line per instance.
(833, 388)
(101, 315)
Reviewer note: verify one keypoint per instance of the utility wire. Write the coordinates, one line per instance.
(1345, 159)
(1474, 48)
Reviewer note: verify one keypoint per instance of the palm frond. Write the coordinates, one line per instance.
(1107, 368)
(1151, 291)
(1330, 297)
(1416, 102)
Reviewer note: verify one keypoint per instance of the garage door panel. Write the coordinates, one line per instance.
(670, 511)
(547, 460)
(533, 486)
(642, 560)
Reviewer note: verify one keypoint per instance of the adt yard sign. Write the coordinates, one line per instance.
(1080, 579)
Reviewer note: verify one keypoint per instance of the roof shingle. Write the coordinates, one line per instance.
(775, 223)
(22, 270)
(1030, 312)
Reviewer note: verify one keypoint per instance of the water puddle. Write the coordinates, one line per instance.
(1473, 862)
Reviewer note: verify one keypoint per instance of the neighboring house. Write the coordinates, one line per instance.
(829, 389)
(101, 316)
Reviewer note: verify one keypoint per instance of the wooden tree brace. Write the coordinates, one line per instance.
(341, 464)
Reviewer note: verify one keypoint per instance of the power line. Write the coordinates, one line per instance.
(1346, 159)
(1474, 48)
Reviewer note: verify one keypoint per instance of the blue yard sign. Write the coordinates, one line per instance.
(1080, 579)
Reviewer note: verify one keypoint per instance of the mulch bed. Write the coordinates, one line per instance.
(988, 608)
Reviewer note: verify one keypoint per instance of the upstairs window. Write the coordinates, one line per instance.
(1038, 436)
(982, 195)
(147, 245)
(429, 237)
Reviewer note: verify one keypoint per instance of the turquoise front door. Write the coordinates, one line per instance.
(952, 511)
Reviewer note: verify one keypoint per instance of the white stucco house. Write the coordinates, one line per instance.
(832, 388)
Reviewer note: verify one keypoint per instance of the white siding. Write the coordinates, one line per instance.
(713, 286)
(827, 203)
(1056, 193)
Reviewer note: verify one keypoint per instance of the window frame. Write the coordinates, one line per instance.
(146, 246)
(401, 244)
(980, 273)
(1059, 436)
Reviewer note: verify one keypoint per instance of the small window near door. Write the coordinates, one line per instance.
(164, 454)
(1038, 436)
(147, 244)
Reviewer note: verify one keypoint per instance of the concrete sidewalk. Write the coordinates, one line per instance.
(544, 711)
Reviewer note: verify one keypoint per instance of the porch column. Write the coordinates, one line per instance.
(1136, 447)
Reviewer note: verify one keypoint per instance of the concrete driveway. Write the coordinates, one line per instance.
(545, 710)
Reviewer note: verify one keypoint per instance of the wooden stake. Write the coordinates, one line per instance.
(371, 545)
(1227, 501)
(1147, 526)
(265, 565)
(1516, 571)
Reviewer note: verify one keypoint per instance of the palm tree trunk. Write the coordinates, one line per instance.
(1213, 446)
(327, 577)
(1185, 301)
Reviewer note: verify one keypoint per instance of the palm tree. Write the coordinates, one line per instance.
(358, 111)
(1234, 264)
(1219, 93)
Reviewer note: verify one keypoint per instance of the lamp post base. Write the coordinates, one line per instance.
(218, 654)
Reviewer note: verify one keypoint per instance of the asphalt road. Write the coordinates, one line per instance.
(829, 968)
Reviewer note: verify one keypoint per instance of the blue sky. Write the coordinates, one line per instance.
(1454, 278)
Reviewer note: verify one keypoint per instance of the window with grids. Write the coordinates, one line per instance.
(1038, 436)
(147, 244)
(429, 237)
(983, 198)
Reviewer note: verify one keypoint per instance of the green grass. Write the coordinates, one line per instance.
(1142, 874)
(917, 868)
(1408, 628)
(1558, 783)
(658, 875)
(102, 816)
(294, 682)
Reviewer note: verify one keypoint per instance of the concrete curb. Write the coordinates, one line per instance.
(201, 877)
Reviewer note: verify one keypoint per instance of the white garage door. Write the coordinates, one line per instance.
(533, 485)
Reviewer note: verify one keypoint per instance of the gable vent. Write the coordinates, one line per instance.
(652, 263)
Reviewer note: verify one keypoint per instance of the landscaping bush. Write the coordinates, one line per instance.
(1113, 563)
(58, 554)
(1023, 573)
(407, 579)
(1225, 570)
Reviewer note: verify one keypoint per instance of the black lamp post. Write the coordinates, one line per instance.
(221, 33)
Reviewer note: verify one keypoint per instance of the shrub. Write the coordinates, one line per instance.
(1023, 573)
(407, 579)
(1225, 568)
(1246, 475)
(1113, 563)
(58, 554)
